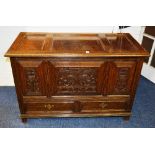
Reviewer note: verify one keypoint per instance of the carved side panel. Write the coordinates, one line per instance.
(75, 81)
(32, 77)
(121, 74)
(32, 82)
(122, 80)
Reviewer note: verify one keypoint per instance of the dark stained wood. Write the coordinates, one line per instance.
(147, 43)
(153, 60)
(150, 30)
(97, 114)
(75, 75)
(72, 98)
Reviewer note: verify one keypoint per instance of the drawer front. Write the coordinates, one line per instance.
(103, 106)
(48, 107)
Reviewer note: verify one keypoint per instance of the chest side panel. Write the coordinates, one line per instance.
(120, 77)
(31, 76)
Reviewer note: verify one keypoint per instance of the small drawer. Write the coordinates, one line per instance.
(48, 107)
(103, 106)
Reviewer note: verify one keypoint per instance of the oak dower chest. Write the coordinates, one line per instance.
(75, 75)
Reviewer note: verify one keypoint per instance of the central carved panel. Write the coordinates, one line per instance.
(76, 81)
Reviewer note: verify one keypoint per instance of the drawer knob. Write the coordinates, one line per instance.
(49, 106)
(103, 105)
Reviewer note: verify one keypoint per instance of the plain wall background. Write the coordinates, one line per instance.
(8, 35)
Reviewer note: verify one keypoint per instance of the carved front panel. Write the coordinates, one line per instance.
(74, 80)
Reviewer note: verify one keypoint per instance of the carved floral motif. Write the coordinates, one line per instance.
(32, 83)
(122, 81)
(74, 80)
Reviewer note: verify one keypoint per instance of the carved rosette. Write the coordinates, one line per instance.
(74, 80)
(122, 80)
(32, 83)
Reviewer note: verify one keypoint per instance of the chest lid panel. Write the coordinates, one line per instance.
(75, 45)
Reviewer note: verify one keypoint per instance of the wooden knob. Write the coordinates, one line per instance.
(49, 106)
(103, 105)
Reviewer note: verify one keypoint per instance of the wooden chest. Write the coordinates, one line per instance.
(75, 75)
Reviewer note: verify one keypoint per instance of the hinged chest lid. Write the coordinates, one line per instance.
(75, 45)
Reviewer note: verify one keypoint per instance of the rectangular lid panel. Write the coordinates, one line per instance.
(83, 43)
(119, 42)
(32, 42)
